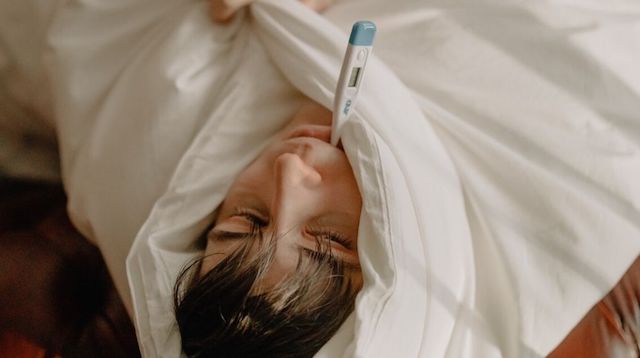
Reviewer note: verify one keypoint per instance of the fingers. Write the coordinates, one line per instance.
(223, 10)
(317, 5)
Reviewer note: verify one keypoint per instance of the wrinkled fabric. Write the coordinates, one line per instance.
(495, 145)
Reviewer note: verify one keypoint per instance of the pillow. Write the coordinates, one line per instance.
(135, 83)
(498, 190)
(394, 298)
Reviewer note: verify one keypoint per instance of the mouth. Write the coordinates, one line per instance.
(320, 132)
(312, 144)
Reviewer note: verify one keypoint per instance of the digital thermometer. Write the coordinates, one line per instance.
(353, 65)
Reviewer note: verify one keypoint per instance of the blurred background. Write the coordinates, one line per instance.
(56, 296)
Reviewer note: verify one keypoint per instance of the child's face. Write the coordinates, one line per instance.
(300, 188)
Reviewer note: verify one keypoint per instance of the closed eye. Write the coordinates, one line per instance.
(256, 224)
(223, 235)
(251, 216)
(331, 236)
(323, 252)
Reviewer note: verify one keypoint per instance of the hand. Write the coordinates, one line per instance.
(223, 10)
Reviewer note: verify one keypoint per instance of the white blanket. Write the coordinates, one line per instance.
(495, 144)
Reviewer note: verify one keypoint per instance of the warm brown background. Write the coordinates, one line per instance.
(56, 297)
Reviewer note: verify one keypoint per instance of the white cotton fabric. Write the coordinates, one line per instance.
(495, 144)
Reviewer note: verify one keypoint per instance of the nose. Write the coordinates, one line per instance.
(291, 171)
(297, 184)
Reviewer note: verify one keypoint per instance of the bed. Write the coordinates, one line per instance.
(495, 145)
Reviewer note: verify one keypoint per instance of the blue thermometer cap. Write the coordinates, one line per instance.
(362, 33)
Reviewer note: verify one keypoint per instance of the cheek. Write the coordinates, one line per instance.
(256, 175)
(215, 252)
(346, 192)
(310, 113)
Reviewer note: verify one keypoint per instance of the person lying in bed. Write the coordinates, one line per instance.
(280, 270)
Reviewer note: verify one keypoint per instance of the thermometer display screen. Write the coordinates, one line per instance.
(355, 76)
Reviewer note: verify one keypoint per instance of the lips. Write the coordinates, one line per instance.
(320, 132)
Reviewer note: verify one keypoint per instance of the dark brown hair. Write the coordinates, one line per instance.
(227, 313)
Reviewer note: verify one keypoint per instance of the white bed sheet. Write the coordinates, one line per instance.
(495, 145)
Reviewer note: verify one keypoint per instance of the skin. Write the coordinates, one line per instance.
(223, 10)
(301, 188)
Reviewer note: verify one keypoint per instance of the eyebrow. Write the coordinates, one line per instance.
(309, 253)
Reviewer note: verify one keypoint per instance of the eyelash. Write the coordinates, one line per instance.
(332, 236)
(257, 223)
